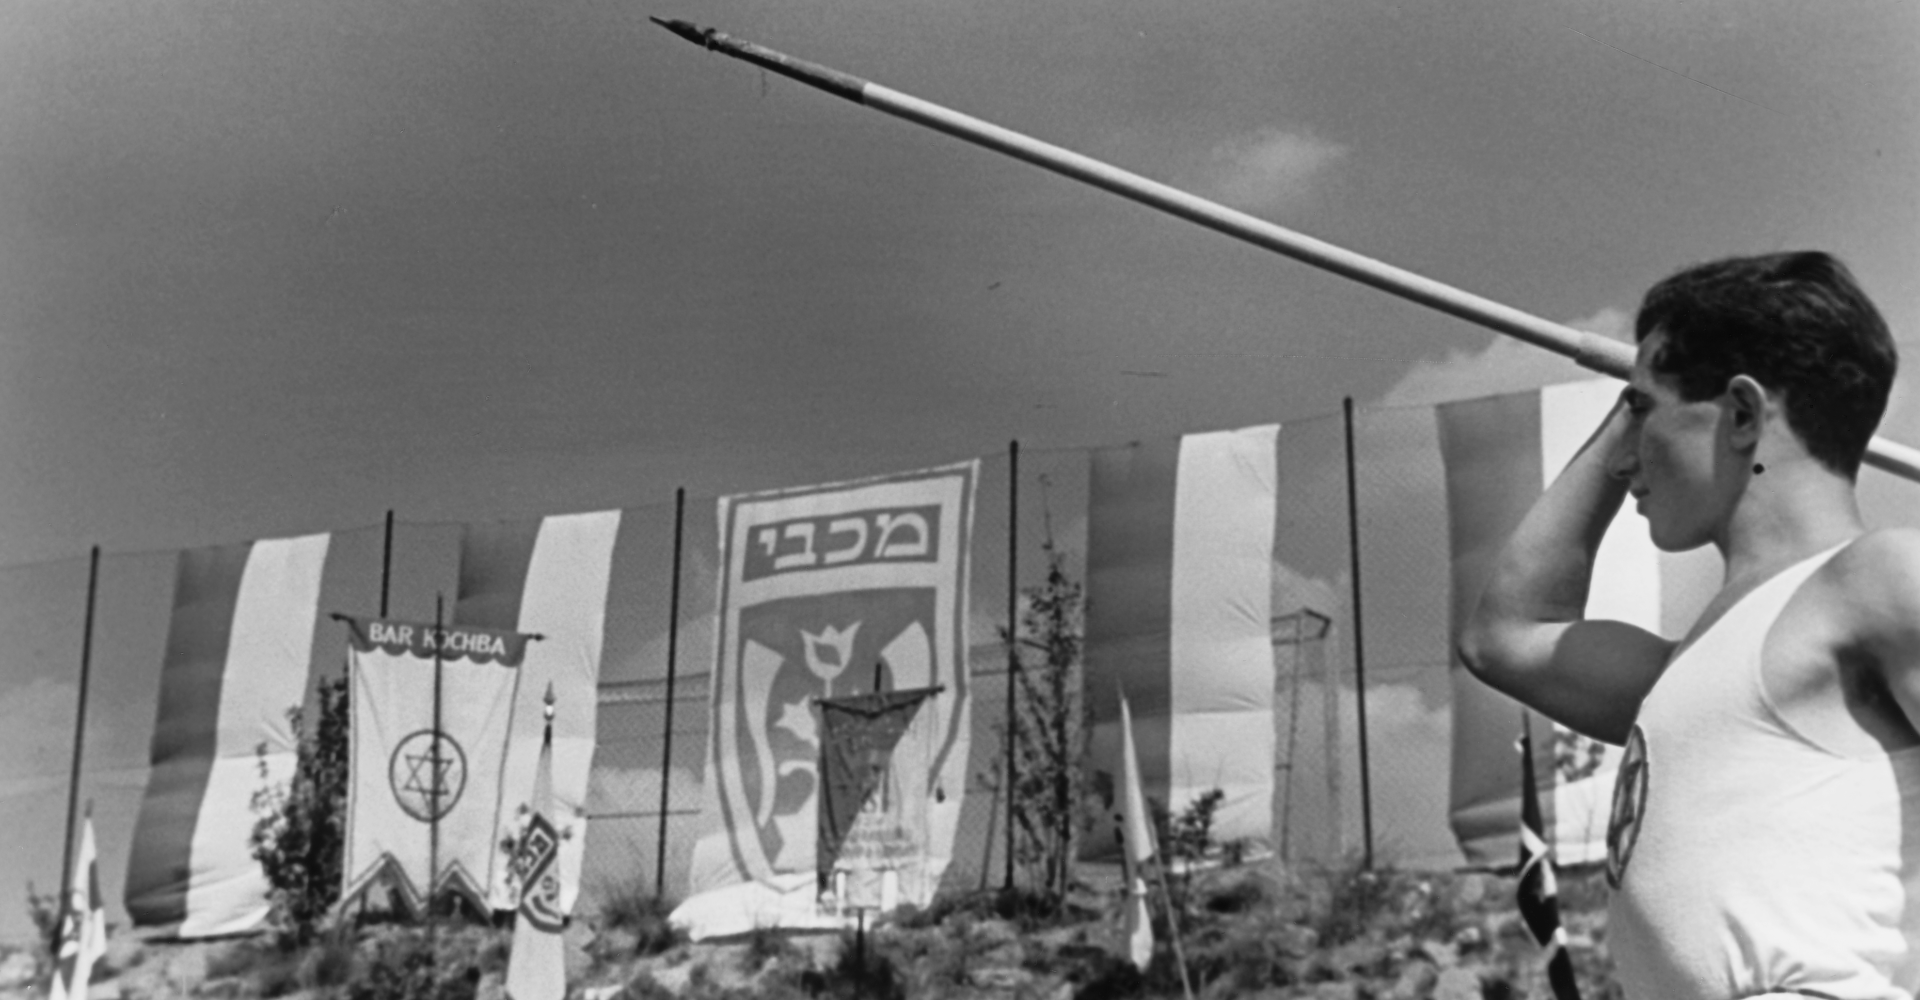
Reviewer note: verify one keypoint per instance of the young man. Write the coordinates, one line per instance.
(1765, 837)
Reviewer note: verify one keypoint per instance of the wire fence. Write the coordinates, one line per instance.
(647, 791)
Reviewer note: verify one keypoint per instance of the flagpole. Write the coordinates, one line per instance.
(673, 645)
(79, 735)
(1359, 638)
(1013, 637)
(433, 783)
(1589, 350)
(386, 563)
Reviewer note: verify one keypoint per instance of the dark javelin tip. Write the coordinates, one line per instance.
(812, 74)
(685, 29)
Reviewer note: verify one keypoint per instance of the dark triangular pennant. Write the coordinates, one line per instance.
(858, 735)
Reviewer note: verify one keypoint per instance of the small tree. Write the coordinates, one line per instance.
(1049, 782)
(299, 837)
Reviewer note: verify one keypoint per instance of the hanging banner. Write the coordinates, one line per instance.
(549, 577)
(873, 824)
(820, 585)
(1179, 617)
(424, 803)
(239, 654)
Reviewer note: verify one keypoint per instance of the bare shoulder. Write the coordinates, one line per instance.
(1879, 577)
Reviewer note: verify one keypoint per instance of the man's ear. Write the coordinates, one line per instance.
(1747, 410)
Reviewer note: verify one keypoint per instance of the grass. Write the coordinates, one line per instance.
(1251, 930)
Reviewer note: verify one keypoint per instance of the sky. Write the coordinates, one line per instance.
(270, 269)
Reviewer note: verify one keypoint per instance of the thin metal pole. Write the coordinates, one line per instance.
(1589, 350)
(386, 582)
(433, 745)
(1293, 742)
(1173, 922)
(1359, 637)
(1013, 636)
(79, 742)
(673, 646)
(386, 564)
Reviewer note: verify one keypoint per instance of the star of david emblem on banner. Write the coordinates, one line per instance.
(427, 772)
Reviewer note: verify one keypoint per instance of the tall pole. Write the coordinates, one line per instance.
(79, 738)
(1589, 350)
(1013, 636)
(433, 745)
(386, 564)
(1359, 638)
(673, 645)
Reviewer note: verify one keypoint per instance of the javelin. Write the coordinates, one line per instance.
(1589, 350)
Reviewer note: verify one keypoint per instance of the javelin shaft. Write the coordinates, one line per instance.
(1589, 350)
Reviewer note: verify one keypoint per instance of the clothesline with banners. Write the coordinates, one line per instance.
(636, 785)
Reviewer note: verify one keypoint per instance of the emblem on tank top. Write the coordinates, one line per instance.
(1629, 806)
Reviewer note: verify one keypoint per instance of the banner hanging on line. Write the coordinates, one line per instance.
(872, 841)
(414, 784)
(1179, 614)
(239, 654)
(820, 584)
(550, 577)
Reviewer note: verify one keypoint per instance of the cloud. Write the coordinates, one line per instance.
(1505, 365)
(1268, 167)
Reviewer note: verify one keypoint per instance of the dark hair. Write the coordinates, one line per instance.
(1796, 323)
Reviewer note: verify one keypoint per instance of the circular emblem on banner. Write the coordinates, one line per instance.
(427, 772)
(1629, 807)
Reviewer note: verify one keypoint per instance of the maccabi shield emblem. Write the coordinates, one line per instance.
(830, 591)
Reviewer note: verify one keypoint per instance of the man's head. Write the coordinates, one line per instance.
(1794, 322)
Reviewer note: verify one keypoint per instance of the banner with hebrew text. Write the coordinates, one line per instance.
(826, 592)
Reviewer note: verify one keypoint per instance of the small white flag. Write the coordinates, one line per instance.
(1138, 848)
(83, 924)
(536, 968)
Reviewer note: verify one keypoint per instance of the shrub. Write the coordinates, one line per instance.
(404, 967)
(866, 972)
(763, 945)
(328, 963)
(1050, 787)
(44, 910)
(1358, 897)
(644, 915)
(300, 831)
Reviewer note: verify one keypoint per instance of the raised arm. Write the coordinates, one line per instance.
(1528, 636)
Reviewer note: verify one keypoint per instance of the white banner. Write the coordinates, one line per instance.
(424, 799)
(826, 590)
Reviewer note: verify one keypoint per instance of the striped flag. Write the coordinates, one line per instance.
(83, 923)
(546, 576)
(1539, 896)
(239, 654)
(1137, 847)
(1500, 454)
(1179, 602)
(536, 967)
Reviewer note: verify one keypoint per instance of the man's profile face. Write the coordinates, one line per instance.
(1667, 455)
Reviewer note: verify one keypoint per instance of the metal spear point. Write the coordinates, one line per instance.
(1589, 350)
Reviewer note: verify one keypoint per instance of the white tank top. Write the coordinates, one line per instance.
(1745, 858)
